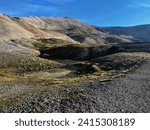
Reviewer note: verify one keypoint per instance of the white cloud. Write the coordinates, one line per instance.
(28, 9)
(139, 5)
(37, 7)
(55, 1)
(146, 5)
(34, 6)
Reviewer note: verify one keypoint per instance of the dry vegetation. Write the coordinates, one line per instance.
(24, 75)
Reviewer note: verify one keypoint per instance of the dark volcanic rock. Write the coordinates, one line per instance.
(77, 52)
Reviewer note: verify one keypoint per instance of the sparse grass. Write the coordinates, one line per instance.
(15, 67)
(42, 44)
(10, 101)
(7, 75)
(118, 62)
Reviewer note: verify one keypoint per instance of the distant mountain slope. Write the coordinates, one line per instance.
(10, 30)
(73, 28)
(60, 24)
(15, 28)
(139, 33)
(40, 33)
(69, 30)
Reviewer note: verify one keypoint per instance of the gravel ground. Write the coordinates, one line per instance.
(127, 94)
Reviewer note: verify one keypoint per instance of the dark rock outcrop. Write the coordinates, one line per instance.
(77, 52)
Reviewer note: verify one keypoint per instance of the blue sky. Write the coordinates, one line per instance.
(95, 12)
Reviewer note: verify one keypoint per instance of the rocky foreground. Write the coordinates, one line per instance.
(127, 94)
(113, 83)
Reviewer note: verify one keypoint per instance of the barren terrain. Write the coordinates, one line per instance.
(64, 65)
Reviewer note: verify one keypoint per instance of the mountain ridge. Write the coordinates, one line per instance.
(138, 33)
(69, 29)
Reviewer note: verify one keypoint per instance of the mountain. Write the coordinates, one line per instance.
(139, 33)
(10, 30)
(68, 29)
(15, 28)
(75, 29)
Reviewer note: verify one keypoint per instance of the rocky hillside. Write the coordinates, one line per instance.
(15, 28)
(75, 29)
(67, 29)
(10, 30)
(136, 33)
